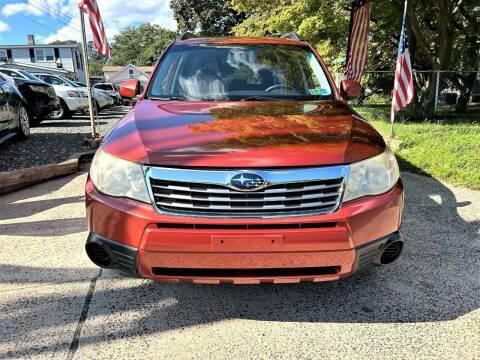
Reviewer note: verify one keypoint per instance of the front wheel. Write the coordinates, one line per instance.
(23, 130)
(61, 112)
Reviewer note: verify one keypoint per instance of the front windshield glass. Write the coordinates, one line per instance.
(30, 76)
(69, 82)
(104, 87)
(236, 72)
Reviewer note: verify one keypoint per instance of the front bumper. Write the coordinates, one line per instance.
(42, 106)
(166, 248)
(76, 104)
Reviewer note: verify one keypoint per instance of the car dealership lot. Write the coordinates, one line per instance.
(54, 303)
(55, 140)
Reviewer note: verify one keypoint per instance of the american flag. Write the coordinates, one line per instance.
(357, 52)
(403, 86)
(100, 42)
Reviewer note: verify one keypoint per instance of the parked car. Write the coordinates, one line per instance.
(102, 99)
(14, 119)
(243, 163)
(111, 89)
(40, 97)
(72, 99)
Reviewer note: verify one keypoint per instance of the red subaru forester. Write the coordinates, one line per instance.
(241, 162)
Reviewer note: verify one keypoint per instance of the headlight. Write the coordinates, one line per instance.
(37, 88)
(373, 176)
(73, 93)
(117, 177)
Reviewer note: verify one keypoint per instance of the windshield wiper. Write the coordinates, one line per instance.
(259, 98)
(168, 98)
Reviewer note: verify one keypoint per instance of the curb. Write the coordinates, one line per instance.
(18, 179)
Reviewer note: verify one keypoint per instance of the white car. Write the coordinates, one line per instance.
(111, 89)
(101, 98)
(72, 99)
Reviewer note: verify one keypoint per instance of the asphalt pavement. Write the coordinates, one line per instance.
(55, 304)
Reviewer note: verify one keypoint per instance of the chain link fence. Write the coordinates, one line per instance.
(448, 90)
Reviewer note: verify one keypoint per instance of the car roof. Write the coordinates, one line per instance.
(9, 69)
(242, 40)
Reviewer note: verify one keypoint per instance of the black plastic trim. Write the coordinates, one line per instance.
(122, 257)
(369, 254)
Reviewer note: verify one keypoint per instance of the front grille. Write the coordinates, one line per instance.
(283, 199)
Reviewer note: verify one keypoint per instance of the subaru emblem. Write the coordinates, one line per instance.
(247, 181)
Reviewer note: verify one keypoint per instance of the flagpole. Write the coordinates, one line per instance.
(392, 133)
(87, 76)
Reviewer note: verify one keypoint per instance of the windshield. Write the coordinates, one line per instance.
(236, 72)
(104, 86)
(69, 82)
(29, 76)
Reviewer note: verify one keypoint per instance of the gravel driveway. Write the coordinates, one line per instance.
(55, 304)
(55, 141)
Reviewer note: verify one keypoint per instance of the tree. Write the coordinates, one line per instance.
(208, 17)
(64, 42)
(140, 45)
(444, 35)
(323, 23)
(95, 61)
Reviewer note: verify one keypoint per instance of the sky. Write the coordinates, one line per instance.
(51, 20)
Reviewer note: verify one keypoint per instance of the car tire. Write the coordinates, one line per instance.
(61, 113)
(23, 130)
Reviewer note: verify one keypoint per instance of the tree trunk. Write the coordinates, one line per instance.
(465, 93)
(424, 104)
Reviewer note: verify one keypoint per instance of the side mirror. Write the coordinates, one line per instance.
(350, 89)
(129, 89)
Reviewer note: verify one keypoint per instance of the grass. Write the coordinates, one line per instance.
(447, 148)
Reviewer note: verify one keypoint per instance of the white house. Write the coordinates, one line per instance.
(119, 74)
(66, 59)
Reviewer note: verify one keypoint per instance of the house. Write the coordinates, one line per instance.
(119, 74)
(58, 59)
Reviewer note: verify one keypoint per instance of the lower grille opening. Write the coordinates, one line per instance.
(246, 226)
(238, 273)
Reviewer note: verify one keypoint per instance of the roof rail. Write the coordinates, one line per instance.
(291, 35)
(185, 35)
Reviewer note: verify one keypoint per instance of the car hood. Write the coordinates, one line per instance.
(243, 134)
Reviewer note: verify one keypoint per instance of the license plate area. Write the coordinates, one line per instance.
(246, 243)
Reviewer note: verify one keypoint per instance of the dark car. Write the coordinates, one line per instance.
(40, 97)
(14, 119)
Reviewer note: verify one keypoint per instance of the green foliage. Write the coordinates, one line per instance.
(140, 45)
(323, 23)
(208, 17)
(448, 149)
(444, 35)
(64, 42)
